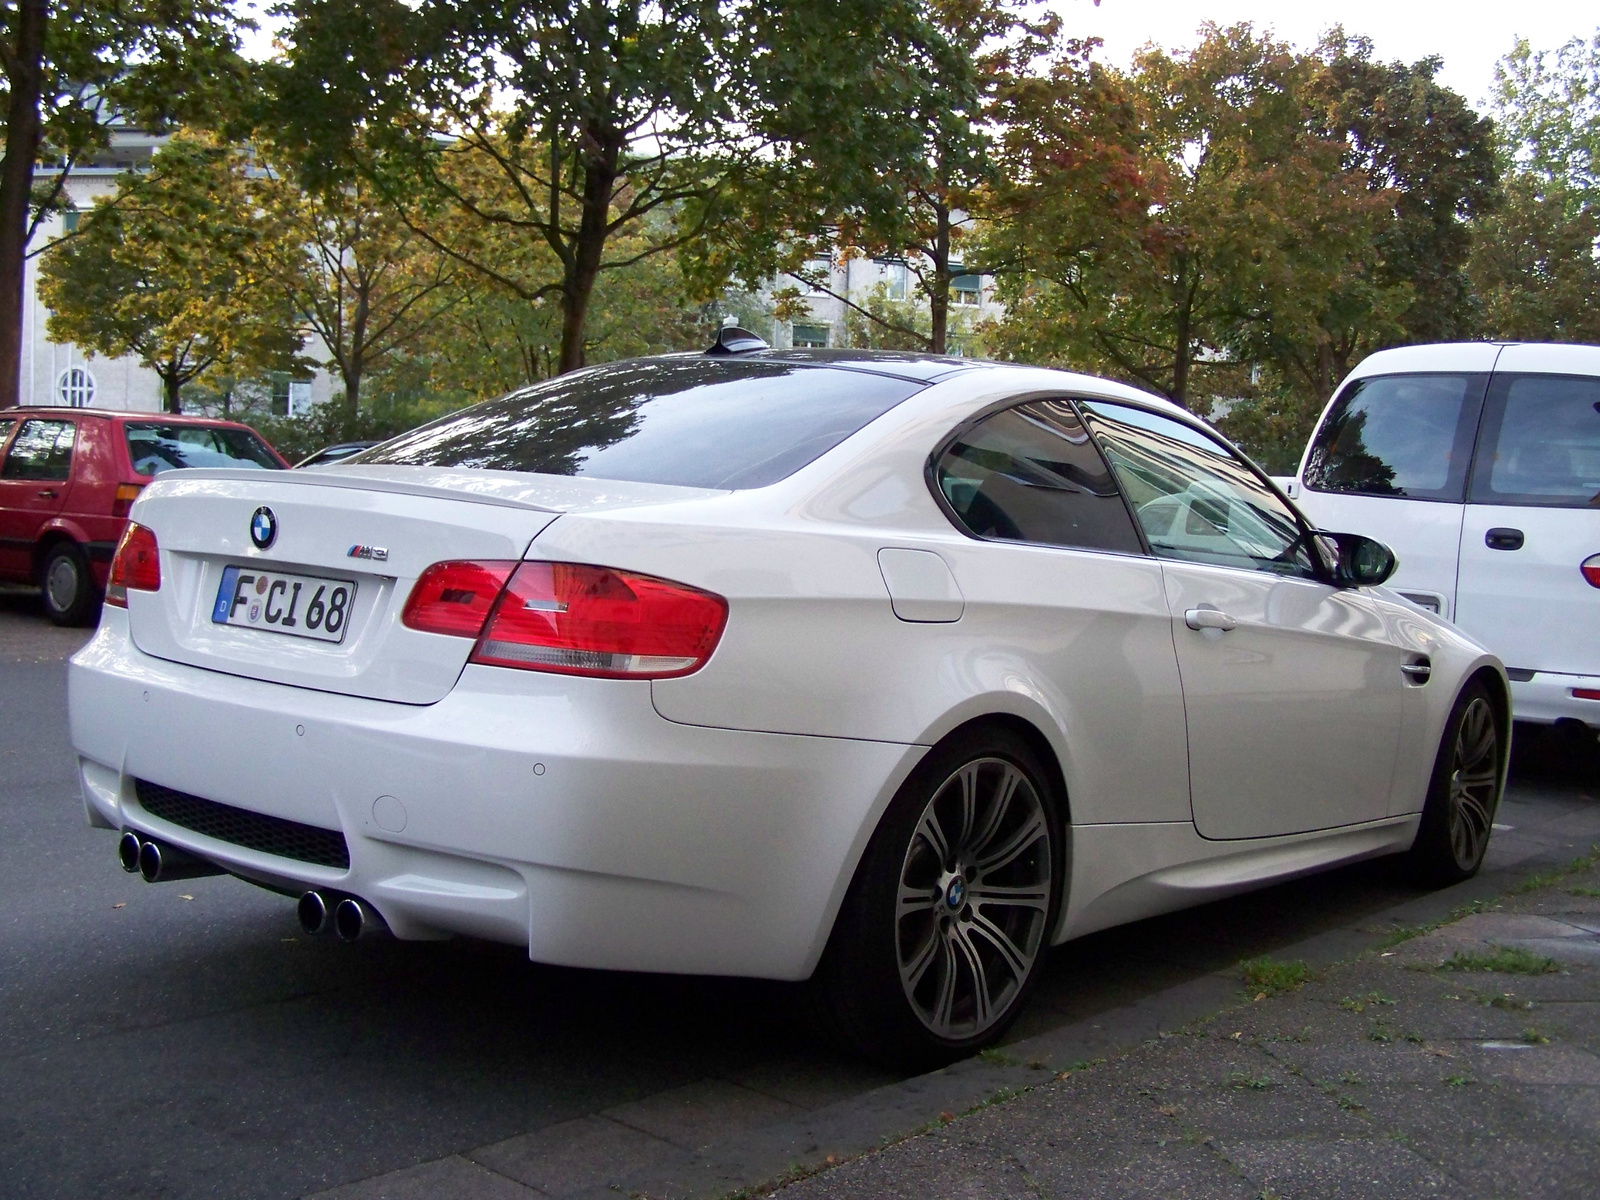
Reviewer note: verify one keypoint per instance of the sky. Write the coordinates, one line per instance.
(1469, 34)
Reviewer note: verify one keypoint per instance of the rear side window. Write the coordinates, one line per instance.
(1032, 474)
(694, 422)
(154, 448)
(42, 450)
(1398, 435)
(1540, 443)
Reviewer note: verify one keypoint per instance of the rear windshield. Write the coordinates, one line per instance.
(694, 422)
(154, 448)
(1398, 435)
(1541, 443)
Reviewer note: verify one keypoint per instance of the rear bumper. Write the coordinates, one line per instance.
(1548, 697)
(560, 813)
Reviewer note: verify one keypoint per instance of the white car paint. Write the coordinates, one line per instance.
(712, 823)
(1531, 606)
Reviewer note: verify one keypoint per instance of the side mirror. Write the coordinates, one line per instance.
(1356, 561)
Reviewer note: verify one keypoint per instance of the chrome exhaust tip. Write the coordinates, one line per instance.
(355, 919)
(128, 846)
(160, 864)
(315, 913)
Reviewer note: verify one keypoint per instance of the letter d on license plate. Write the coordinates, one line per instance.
(305, 606)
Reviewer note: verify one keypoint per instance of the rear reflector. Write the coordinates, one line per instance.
(136, 565)
(1591, 570)
(577, 619)
(455, 597)
(122, 501)
(1586, 693)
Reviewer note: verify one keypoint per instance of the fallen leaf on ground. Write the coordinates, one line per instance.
(185, 897)
(120, 904)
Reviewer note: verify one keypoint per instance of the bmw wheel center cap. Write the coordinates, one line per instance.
(263, 527)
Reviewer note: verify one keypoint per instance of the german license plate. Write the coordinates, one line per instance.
(305, 606)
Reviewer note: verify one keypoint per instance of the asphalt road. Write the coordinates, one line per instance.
(185, 1040)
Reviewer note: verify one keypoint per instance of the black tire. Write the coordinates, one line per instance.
(67, 586)
(1463, 794)
(915, 942)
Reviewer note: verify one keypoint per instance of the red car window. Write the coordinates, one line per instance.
(42, 450)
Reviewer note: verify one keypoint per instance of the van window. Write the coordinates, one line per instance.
(1541, 442)
(42, 451)
(1031, 474)
(1398, 435)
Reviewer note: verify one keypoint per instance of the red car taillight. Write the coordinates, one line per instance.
(456, 597)
(582, 620)
(122, 501)
(1591, 570)
(137, 565)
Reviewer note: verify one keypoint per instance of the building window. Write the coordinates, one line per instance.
(69, 220)
(814, 337)
(76, 387)
(894, 275)
(819, 269)
(967, 290)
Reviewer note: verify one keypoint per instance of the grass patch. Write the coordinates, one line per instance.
(1458, 1080)
(1511, 960)
(1546, 879)
(1358, 1004)
(1255, 1083)
(1266, 976)
(1533, 1037)
(1593, 892)
(1508, 1000)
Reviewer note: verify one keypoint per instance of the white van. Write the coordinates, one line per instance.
(1479, 465)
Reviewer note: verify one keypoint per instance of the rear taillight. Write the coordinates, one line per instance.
(577, 619)
(122, 502)
(136, 565)
(1591, 570)
(456, 597)
(1586, 693)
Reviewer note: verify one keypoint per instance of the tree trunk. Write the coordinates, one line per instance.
(939, 294)
(169, 392)
(354, 360)
(583, 265)
(24, 79)
(1180, 362)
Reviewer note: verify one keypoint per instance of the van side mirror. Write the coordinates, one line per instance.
(1356, 561)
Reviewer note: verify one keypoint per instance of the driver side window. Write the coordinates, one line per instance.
(1194, 498)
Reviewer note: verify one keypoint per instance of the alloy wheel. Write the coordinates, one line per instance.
(974, 897)
(1474, 779)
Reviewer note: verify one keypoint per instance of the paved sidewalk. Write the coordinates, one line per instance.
(1464, 1061)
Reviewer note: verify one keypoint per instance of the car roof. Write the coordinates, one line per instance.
(903, 364)
(58, 410)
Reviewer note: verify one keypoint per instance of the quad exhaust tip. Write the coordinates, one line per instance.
(128, 847)
(157, 863)
(315, 913)
(354, 919)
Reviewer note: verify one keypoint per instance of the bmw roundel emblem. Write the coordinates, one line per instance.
(263, 527)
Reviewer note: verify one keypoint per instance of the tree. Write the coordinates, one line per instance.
(362, 282)
(71, 69)
(161, 273)
(1150, 223)
(1534, 262)
(601, 119)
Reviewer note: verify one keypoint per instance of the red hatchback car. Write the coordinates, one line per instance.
(68, 477)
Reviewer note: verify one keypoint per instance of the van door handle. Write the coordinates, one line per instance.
(1206, 617)
(1501, 538)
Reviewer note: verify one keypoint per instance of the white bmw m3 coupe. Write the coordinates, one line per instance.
(883, 671)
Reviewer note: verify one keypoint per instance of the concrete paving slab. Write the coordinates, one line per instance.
(697, 1114)
(451, 1178)
(576, 1156)
(1333, 1170)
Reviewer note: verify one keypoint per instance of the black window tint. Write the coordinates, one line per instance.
(154, 448)
(42, 450)
(1196, 499)
(1398, 435)
(695, 422)
(1031, 474)
(1540, 443)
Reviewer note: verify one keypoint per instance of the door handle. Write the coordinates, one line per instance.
(48, 493)
(1418, 671)
(1206, 617)
(1502, 538)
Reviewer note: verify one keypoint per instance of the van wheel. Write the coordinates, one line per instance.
(940, 939)
(1463, 795)
(67, 585)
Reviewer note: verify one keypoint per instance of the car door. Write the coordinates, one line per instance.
(1532, 519)
(1292, 690)
(1054, 580)
(33, 487)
